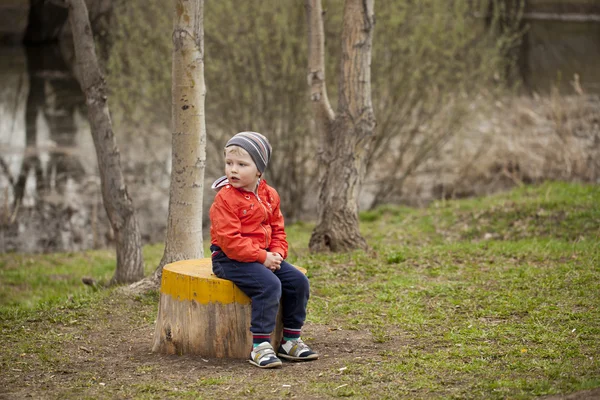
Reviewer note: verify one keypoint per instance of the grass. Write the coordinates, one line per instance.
(30, 281)
(494, 297)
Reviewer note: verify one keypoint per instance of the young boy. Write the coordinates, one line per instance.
(249, 247)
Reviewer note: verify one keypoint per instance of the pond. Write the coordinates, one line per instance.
(50, 187)
(554, 51)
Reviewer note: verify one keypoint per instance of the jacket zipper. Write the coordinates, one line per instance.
(266, 217)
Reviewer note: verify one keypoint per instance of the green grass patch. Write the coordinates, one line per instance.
(30, 280)
(483, 298)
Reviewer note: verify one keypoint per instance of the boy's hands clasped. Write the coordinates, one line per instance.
(273, 261)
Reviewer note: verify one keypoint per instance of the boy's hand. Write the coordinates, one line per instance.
(273, 261)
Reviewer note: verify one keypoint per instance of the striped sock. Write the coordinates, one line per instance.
(290, 334)
(258, 338)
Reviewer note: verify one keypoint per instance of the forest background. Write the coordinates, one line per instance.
(456, 112)
(446, 93)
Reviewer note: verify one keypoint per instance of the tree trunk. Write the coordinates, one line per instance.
(184, 225)
(118, 204)
(347, 135)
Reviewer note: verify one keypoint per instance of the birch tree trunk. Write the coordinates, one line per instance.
(118, 204)
(184, 225)
(347, 134)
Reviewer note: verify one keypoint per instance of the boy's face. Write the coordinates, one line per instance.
(240, 169)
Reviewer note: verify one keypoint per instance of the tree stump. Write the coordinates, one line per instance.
(204, 315)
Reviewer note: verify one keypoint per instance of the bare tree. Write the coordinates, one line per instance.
(118, 204)
(183, 238)
(184, 225)
(347, 134)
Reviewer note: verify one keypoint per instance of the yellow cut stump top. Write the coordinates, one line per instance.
(194, 280)
(202, 314)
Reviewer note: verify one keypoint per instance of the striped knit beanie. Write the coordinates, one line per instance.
(256, 145)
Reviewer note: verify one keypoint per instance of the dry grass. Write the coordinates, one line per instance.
(516, 141)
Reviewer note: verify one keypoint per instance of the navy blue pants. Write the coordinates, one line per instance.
(266, 288)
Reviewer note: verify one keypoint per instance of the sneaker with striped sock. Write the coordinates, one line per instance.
(263, 356)
(296, 350)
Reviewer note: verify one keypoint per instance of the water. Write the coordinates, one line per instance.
(49, 183)
(555, 51)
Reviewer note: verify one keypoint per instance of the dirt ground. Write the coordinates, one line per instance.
(109, 356)
(113, 359)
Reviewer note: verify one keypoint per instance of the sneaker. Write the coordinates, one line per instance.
(296, 350)
(263, 356)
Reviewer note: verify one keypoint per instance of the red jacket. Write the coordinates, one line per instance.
(245, 225)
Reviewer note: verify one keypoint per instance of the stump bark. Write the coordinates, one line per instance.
(204, 315)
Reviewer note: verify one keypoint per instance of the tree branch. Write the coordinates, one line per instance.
(6, 171)
(316, 63)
